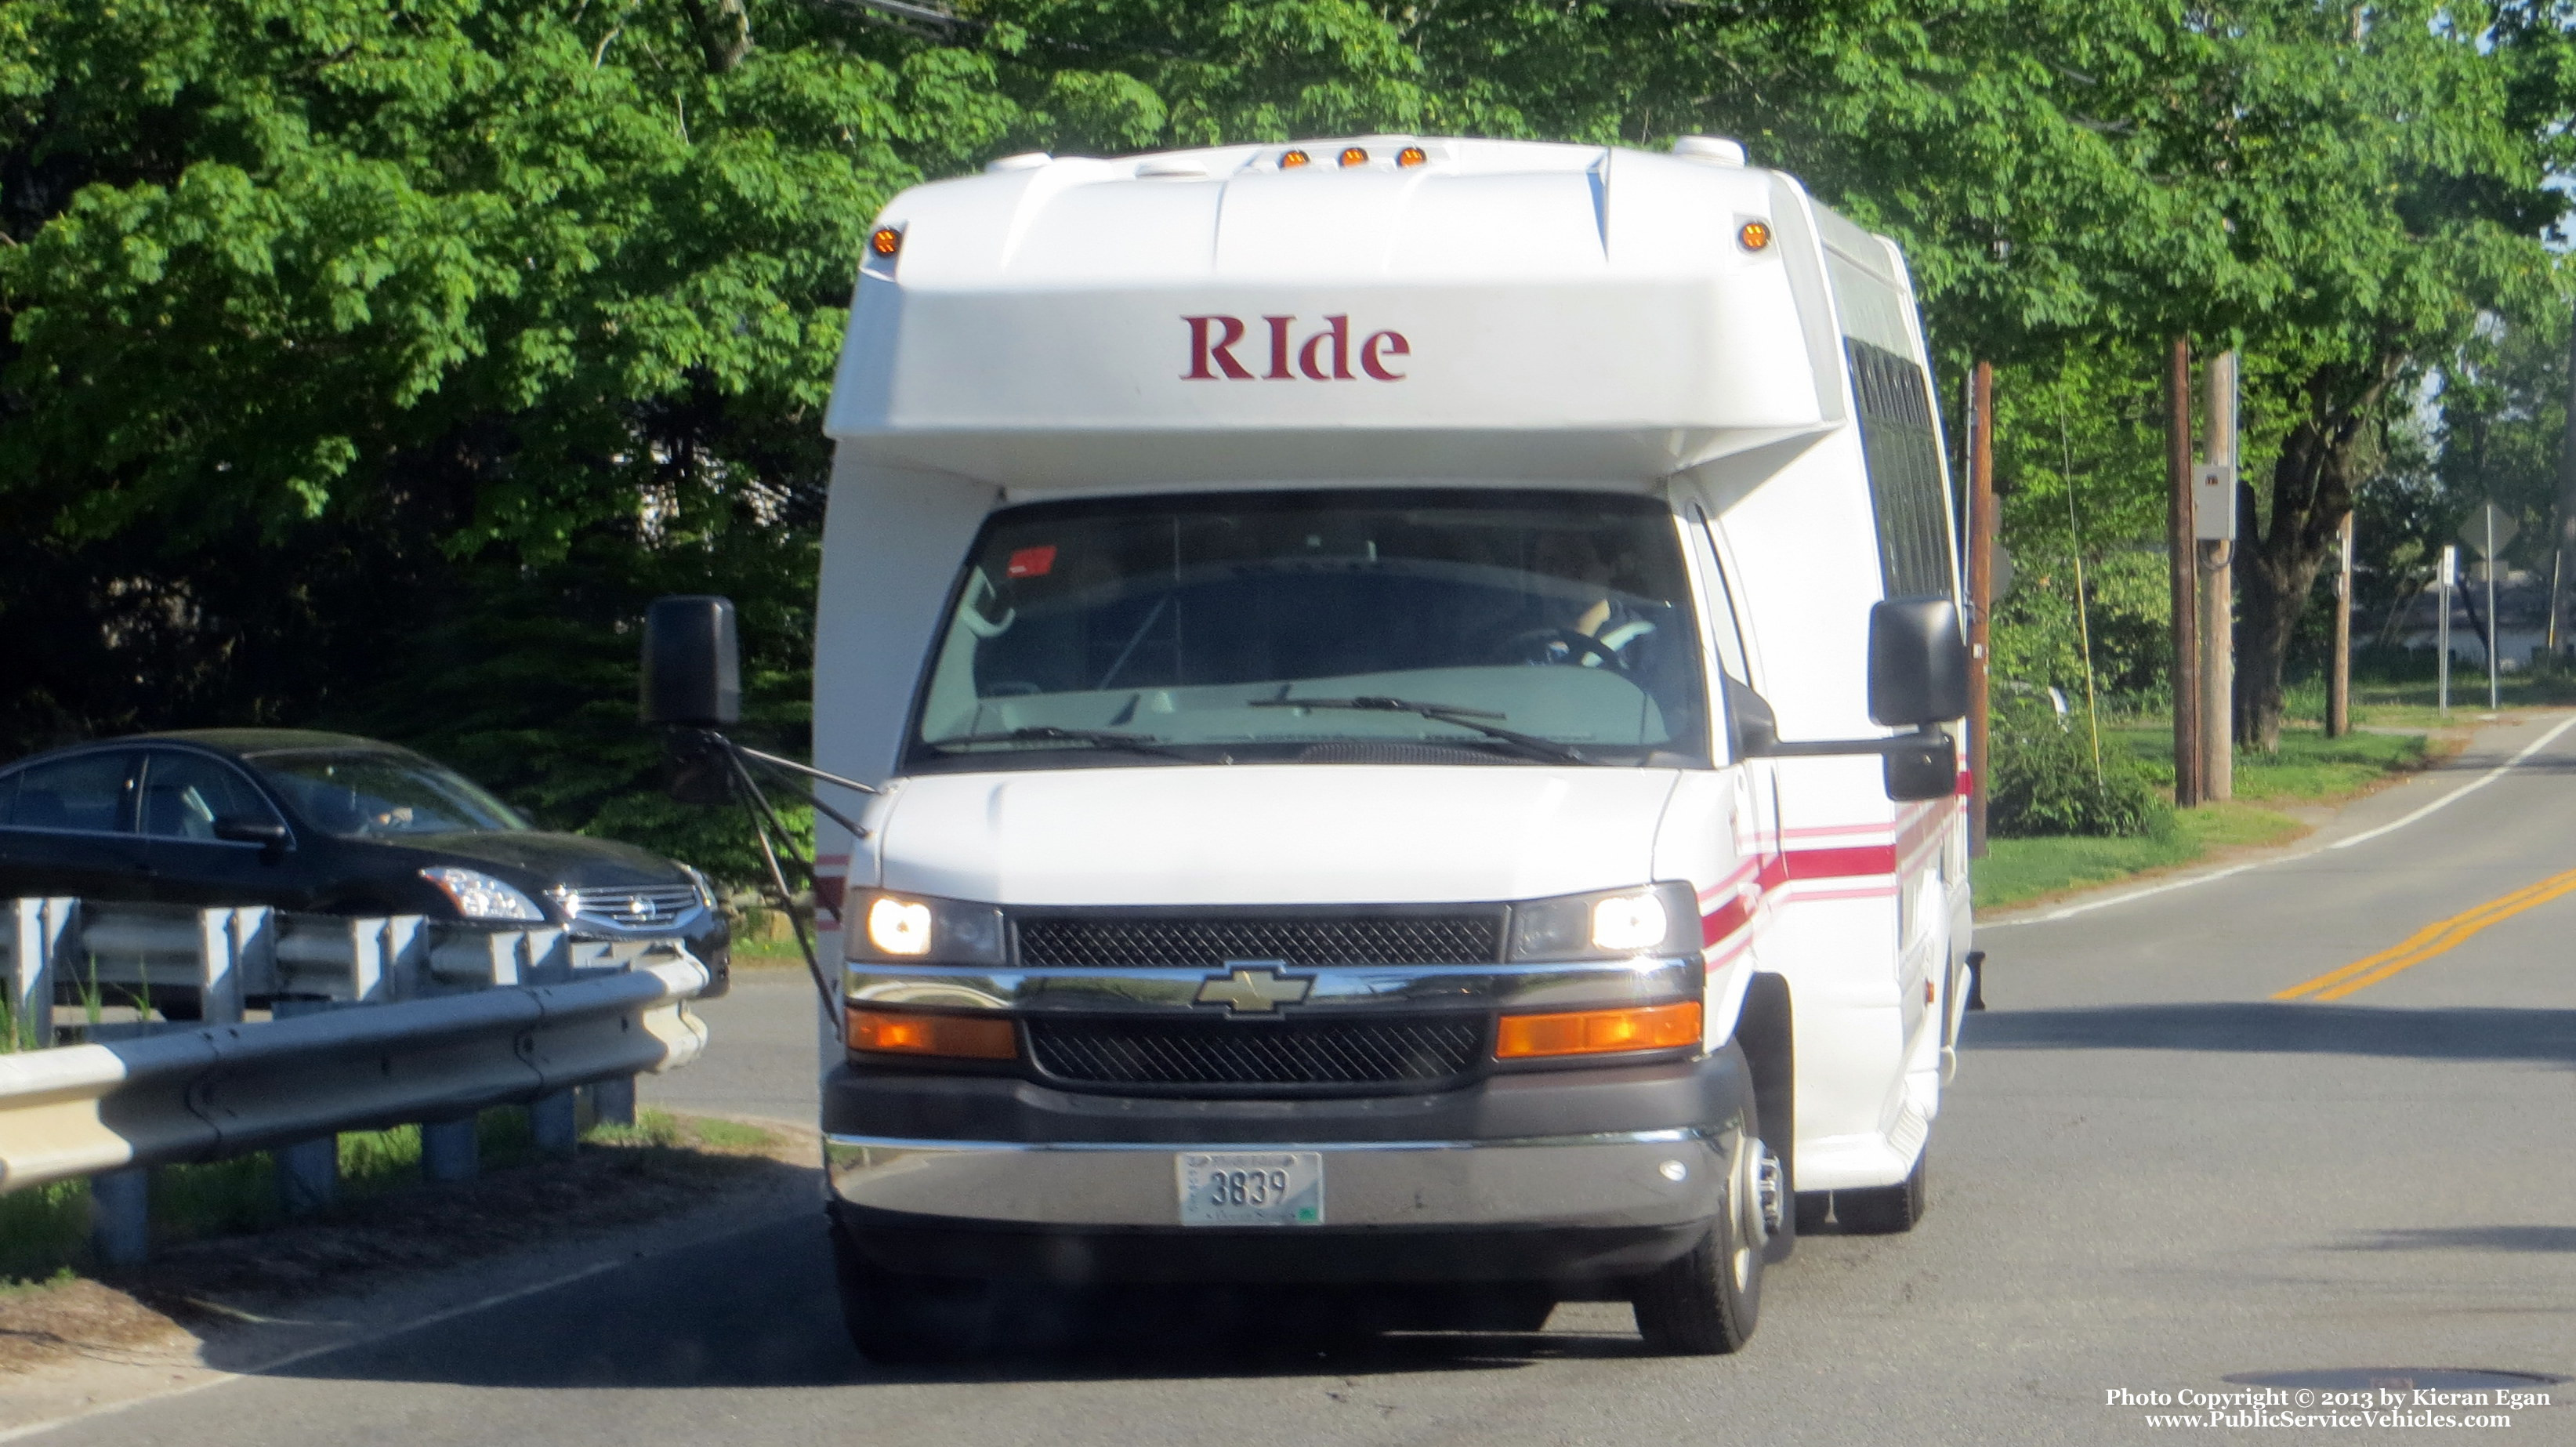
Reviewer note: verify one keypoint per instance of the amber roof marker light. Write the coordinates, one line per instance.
(1754, 235)
(1354, 156)
(1291, 160)
(885, 240)
(1411, 156)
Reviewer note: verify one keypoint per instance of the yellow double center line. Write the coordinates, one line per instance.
(2427, 942)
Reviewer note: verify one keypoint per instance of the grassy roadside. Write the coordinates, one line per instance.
(44, 1230)
(2310, 769)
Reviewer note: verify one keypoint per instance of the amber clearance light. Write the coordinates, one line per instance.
(1598, 1032)
(1411, 156)
(1354, 156)
(1755, 235)
(885, 241)
(907, 1032)
(1291, 160)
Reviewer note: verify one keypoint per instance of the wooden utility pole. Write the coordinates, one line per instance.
(2339, 680)
(2217, 597)
(2182, 549)
(2566, 549)
(1981, 589)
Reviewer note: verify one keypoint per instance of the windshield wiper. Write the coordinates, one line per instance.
(1529, 745)
(1050, 734)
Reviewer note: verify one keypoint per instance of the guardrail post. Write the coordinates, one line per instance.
(612, 1102)
(554, 1118)
(406, 957)
(449, 1153)
(219, 976)
(307, 1172)
(120, 1216)
(39, 929)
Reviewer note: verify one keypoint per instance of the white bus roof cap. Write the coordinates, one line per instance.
(1362, 307)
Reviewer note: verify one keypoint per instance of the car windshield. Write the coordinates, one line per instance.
(1197, 624)
(371, 794)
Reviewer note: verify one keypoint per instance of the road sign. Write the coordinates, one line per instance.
(2488, 530)
(2000, 579)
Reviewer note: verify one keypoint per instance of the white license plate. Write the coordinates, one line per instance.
(1251, 1188)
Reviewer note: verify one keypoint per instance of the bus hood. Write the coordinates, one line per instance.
(1272, 834)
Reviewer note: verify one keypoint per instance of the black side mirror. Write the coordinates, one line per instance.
(246, 829)
(692, 662)
(1922, 766)
(1749, 715)
(1918, 663)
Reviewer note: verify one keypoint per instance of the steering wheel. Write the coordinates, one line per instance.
(1577, 641)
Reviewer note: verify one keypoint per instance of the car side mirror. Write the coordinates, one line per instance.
(692, 662)
(248, 829)
(1918, 663)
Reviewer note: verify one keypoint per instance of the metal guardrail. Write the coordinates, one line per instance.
(433, 1022)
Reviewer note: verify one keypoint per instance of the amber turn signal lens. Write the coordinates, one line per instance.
(1291, 160)
(885, 241)
(1354, 156)
(1598, 1032)
(1755, 235)
(961, 1037)
(1411, 156)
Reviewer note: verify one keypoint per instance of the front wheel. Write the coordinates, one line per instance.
(912, 1319)
(1707, 1302)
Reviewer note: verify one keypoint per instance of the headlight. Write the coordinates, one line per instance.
(706, 891)
(479, 896)
(1659, 919)
(905, 927)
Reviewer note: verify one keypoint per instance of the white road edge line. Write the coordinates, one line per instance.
(499, 1298)
(2471, 787)
(2364, 837)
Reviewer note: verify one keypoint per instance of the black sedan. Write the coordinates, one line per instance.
(328, 824)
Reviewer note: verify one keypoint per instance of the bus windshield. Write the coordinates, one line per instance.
(1450, 626)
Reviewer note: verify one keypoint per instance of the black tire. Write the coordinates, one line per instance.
(1708, 1302)
(1885, 1210)
(900, 1319)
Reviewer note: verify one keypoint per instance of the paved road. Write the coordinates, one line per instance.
(2151, 1176)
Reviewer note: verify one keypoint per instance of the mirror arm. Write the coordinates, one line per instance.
(806, 769)
(1848, 748)
(763, 819)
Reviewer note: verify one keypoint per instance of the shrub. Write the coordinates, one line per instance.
(2045, 782)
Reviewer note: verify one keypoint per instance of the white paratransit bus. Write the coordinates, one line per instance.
(1413, 683)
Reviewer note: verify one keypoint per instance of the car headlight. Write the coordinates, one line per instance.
(1659, 919)
(479, 896)
(706, 891)
(900, 928)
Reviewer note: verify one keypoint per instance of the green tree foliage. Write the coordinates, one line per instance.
(371, 363)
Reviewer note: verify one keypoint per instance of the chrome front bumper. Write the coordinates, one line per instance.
(1619, 1179)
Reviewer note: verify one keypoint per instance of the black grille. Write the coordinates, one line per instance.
(1208, 940)
(1216, 1051)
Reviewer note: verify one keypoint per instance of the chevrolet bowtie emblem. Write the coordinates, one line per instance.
(1257, 991)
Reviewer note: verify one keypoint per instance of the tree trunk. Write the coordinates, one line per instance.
(2321, 463)
(725, 36)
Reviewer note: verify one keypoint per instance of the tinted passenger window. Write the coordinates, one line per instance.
(84, 793)
(183, 796)
(1904, 461)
